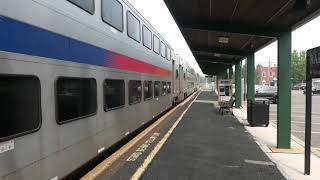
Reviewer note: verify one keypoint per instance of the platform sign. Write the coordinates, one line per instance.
(312, 71)
(313, 58)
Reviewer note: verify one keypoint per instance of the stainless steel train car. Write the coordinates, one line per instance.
(76, 77)
(189, 81)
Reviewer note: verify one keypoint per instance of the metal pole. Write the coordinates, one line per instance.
(250, 77)
(269, 73)
(284, 91)
(237, 78)
(307, 149)
(245, 79)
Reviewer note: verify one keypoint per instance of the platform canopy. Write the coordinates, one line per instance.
(223, 32)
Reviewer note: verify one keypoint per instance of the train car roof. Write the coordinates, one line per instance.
(146, 22)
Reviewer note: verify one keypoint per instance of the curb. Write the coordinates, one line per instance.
(300, 142)
(314, 151)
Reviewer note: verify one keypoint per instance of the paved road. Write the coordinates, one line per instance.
(298, 116)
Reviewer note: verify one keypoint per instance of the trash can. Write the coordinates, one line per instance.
(258, 112)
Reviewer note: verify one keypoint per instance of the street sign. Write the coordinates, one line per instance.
(313, 57)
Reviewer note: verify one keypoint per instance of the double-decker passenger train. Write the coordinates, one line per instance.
(76, 77)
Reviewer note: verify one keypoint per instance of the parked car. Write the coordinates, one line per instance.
(257, 87)
(300, 86)
(270, 93)
(315, 90)
(296, 87)
(315, 87)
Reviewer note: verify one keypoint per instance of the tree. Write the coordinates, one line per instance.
(298, 66)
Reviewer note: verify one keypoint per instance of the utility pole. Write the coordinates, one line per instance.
(269, 72)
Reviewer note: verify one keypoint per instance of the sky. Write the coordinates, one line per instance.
(161, 19)
(303, 38)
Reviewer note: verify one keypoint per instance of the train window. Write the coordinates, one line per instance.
(190, 85)
(146, 37)
(76, 98)
(163, 88)
(114, 94)
(112, 13)
(156, 89)
(163, 50)
(20, 105)
(168, 54)
(184, 76)
(134, 92)
(168, 87)
(87, 5)
(156, 44)
(177, 74)
(133, 25)
(147, 86)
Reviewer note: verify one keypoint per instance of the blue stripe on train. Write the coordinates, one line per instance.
(22, 38)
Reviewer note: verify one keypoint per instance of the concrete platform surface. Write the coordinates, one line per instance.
(290, 161)
(206, 145)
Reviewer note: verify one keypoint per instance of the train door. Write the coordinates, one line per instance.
(179, 79)
(173, 84)
(181, 87)
(173, 74)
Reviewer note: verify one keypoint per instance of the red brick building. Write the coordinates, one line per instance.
(266, 75)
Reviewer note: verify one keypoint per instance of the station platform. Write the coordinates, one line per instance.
(201, 144)
(207, 145)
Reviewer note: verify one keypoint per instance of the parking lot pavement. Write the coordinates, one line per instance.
(298, 116)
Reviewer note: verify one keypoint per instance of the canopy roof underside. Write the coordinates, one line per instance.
(222, 32)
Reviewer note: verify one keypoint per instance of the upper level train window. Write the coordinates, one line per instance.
(163, 50)
(114, 94)
(134, 92)
(76, 98)
(112, 13)
(133, 25)
(156, 89)
(163, 88)
(87, 5)
(156, 44)
(168, 54)
(20, 105)
(168, 87)
(147, 86)
(146, 37)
